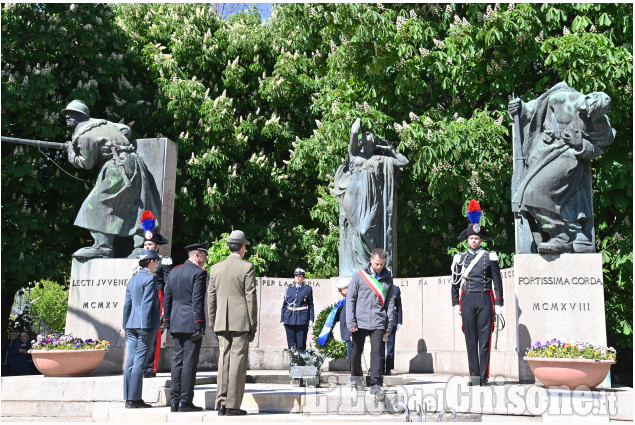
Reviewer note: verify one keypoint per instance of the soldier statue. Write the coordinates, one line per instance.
(123, 189)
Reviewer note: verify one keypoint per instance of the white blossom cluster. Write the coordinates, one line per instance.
(52, 118)
(475, 181)
(401, 22)
(540, 37)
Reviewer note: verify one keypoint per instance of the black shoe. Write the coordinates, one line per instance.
(469, 384)
(485, 383)
(136, 404)
(149, 375)
(189, 408)
(388, 373)
(235, 412)
(174, 406)
(222, 410)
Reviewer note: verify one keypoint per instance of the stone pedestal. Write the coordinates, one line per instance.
(558, 297)
(96, 296)
(160, 157)
(97, 293)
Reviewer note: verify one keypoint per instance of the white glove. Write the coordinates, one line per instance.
(310, 323)
(398, 326)
(498, 309)
(457, 310)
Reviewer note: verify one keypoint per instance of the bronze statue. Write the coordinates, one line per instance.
(366, 185)
(560, 133)
(123, 189)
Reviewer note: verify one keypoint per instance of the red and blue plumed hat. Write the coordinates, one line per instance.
(148, 223)
(474, 214)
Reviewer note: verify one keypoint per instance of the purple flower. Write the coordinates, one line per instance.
(78, 345)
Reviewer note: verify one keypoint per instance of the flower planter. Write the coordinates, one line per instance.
(569, 372)
(67, 362)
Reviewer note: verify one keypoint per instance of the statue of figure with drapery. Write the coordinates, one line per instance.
(366, 185)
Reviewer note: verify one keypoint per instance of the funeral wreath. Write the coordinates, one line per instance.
(334, 348)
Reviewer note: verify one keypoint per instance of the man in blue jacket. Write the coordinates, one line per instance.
(370, 312)
(345, 334)
(297, 311)
(388, 352)
(184, 318)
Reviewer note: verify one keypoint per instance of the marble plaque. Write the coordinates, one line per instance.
(560, 298)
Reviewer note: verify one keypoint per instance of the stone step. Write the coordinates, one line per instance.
(100, 397)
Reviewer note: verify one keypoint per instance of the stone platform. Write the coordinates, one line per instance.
(269, 396)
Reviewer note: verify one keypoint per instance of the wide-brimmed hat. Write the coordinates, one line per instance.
(148, 254)
(237, 236)
(203, 247)
(474, 214)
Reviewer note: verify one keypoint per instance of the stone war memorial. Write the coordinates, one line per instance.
(134, 176)
(558, 278)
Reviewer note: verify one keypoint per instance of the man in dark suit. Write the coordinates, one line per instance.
(297, 311)
(233, 310)
(388, 352)
(184, 318)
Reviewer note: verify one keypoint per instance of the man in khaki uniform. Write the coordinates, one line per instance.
(233, 311)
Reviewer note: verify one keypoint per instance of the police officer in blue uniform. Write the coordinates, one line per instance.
(477, 294)
(297, 311)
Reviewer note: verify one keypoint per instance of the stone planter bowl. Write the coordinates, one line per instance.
(569, 372)
(67, 362)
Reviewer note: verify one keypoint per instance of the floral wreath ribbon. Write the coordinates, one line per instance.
(328, 324)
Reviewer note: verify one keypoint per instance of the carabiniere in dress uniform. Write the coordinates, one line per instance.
(477, 294)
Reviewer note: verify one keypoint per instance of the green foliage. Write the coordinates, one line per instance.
(50, 302)
(22, 322)
(334, 348)
(262, 114)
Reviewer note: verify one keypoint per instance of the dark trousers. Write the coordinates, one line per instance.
(184, 365)
(388, 353)
(296, 336)
(152, 341)
(349, 353)
(376, 337)
(477, 312)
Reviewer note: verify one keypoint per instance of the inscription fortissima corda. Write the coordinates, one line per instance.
(559, 280)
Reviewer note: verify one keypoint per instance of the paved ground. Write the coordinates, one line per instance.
(37, 399)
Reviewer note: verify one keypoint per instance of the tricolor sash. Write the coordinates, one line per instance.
(328, 324)
(374, 285)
